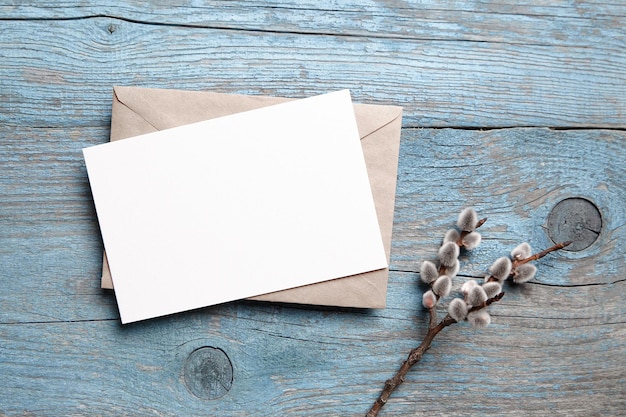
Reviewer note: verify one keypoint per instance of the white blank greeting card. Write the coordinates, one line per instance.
(235, 207)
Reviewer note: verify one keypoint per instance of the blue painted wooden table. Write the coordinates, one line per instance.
(508, 107)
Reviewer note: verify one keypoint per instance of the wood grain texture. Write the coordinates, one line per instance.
(545, 22)
(521, 172)
(556, 345)
(552, 342)
(443, 20)
(481, 67)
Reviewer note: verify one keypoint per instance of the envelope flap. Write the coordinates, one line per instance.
(374, 117)
(164, 109)
(138, 110)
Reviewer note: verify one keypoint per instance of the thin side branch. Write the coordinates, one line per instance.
(487, 303)
(541, 254)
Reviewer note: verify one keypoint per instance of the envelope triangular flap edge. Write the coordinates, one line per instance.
(146, 110)
(159, 109)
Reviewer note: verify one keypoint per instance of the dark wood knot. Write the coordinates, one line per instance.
(208, 373)
(576, 219)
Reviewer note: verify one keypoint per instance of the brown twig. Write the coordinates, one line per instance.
(487, 303)
(539, 255)
(432, 317)
(416, 354)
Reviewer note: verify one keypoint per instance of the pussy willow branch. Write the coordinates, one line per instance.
(433, 329)
(416, 354)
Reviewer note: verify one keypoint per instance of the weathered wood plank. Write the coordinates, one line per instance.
(551, 343)
(56, 69)
(556, 345)
(513, 177)
(49, 242)
(308, 362)
(583, 24)
(503, 173)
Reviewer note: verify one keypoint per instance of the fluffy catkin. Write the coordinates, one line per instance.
(522, 251)
(524, 273)
(476, 296)
(428, 272)
(467, 286)
(492, 288)
(479, 318)
(501, 268)
(451, 236)
(467, 220)
(448, 254)
(442, 286)
(471, 240)
(451, 271)
(429, 299)
(457, 309)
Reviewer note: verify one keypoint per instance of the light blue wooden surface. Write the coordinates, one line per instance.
(509, 107)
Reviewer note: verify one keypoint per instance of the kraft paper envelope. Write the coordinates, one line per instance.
(235, 207)
(138, 111)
